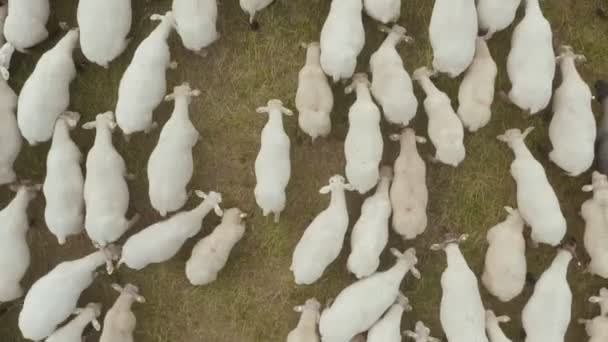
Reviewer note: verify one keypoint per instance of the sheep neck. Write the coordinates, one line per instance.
(408, 143)
(181, 107)
(275, 118)
(520, 149)
(67, 43)
(568, 68)
(338, 200)
(383, 186)
(308, 320)
(6, 54)
(202, 210)
(428, 86)
(61, 132)
(391, 40)
(495, 332)
(561, 262)
(93, 260)
(533, 7)
(20, 203)
(363, 91)
(162, 31)
(83, 319)
(454, 256)
(313, 55)
(103, 134)
(124, 302)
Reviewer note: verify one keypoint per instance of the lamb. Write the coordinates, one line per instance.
(314, 98)
(72, 331)
(251, 7)
(104, 26)
(9, 129)
(273, 163)
(53, 297)
(196, 23)
(573, 129)
(445, 129)
(342, 39)
(495, 333)
(531, 63)
(536, 198)
(171, 165)
(363, 145)
(64, 184)
(462, 314)
(143, 85)
(361, 304)
(39, 105)
(14, 251)
(119, 323)
(25, 25)
(106, 194)
(597, 328)
(476, 92)
(370, 234)
(306, 331)
(452, 31)
(421, 334)
(210, 254)
(322, 240)
(504, 273)
(496, 15)
(409, 194)
(601, 89)
(161, 241)
(593, 211)
(391, 85)
(388, 328)
(385, 11)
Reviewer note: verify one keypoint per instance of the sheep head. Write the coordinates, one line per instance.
(274, 105)
(514, 134)
(397, 31)
(450, 238)
(183, 90)
(358, 78)
(212, 199)
(131, 291)
(421, 334)
(409, 258)
(336, 183)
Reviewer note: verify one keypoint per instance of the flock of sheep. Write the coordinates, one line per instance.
(371, 305)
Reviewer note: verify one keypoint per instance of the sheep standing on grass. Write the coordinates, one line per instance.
(39, 104)
(9, 128)
(597, 328)
(25, 25)
(210, 254)
(496, 15)
(72, 331)
(171, 164)
(251, 7)
(495, 333)
(196, 23)
(594, 211)
(306, 331)
(388, 328)
(385, 11)
(391, 85)
(119, 323)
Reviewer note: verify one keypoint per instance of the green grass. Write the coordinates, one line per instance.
(254, 295)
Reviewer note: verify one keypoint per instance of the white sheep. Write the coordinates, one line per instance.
(64, 183)
(342, 39)
(9, 129)
(14, 251)
(388, 328)
(171, 165)
(599, 186)
(536, 199)
(409, 194)
(106, 194)
(370, 233)
(25, 25)
(364, 144)
(573, 129)
(597, 328)
(251, 7)
(421, 333)
(476, 92)
(119, 323)
(596, 236)
(210, 254)
(322, 240)
(196, 23)
(391, 84)
(496, 15)
(314, 98)
(53, 297)
(504, 273)
(306, 331)
(531, 62)
(495, 333)
(144, 84)
(362, 303)
(39, 105)
(444, 127)
(273, 163)
(104, 26)
(161, 241)
(452, 31)
(72, 331)
(385, 11)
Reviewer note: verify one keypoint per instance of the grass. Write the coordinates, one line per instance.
(254, 295)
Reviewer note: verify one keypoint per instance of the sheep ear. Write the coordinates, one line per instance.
(298, 308)
(349, 187)
(587, 188)
(156, 17)
(580, 58)
(200, 194)
(502, 138)
(117, 287)
(325, 190)
(262, 110)
(243, 215)
(96, 325)
(140, 299)
(595, 299)
(348, 89)
(415, 272)
(396, 253)
(527, 131)
(509, 210)
(218, 211)
(503, 319)
(89, 125)
(77, 311)
(195, 93)
(436, 247)
(463, 237)
(384, 28)
(394, 137)
(603, 292)
(410, 334)
(5, 74)
(14, 187)
(113, 125)
(408, 39)
(420, 140)
(286, 111)
(170, 97)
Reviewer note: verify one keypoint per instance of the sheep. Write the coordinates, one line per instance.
(342, 39)
(72, 331)
(53, 297)
(421, 334)
(536, 199)
(594, 212)
(385, 11)
(573, 129)
(461, 312)
(391, 85)
(196, 23)
(64, 183)
(597, 328)
(476, 92)
(495, 333)
(531, 63)
(273, 163)
(445, 129)
(251, 7)
(370, 234)
(161, 241)
(210, 254)
(452, 32)
(119, 323)
(306, 331)
(14, 251)
(9, 129)
(39, 105)
(104, 26)
(171, 165)
(504, 273)
(314, 98)
(599, 186)
(361, 304)
(143, 85)
(388, 328)
(364, 144)
(496, 15)
(25, 25)
(601, 89)
(546, 315)
(409, 194)
(322, 240)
